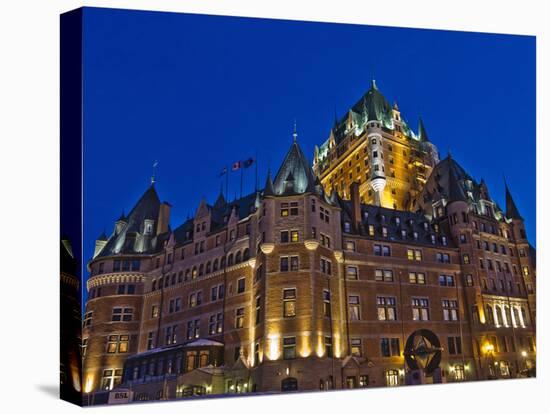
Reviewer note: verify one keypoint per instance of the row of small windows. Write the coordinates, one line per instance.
(202, 269)
(118, 266)
(403, 234)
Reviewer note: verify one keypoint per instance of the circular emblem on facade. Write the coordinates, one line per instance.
(423, 351)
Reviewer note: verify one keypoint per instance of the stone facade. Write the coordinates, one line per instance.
(297, 288)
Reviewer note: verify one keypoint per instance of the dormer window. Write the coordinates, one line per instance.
(403, 234)
(444, 240)
(415, 235)
(347, 226)
(397, 221)
(148, 227)
(432, 238)
(425, 226)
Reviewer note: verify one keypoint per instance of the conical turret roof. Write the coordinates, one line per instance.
(295, 169)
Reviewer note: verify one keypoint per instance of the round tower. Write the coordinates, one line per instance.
(376, 153)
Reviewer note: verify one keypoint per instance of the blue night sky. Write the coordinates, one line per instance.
(199, 92)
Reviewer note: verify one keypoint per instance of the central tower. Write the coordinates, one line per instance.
(374, 146)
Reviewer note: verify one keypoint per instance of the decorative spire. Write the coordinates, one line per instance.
(422, 131)
(373, 84)
(295, 134)
(153, 177)
(268, 190)
(122, 217)
(512, 211)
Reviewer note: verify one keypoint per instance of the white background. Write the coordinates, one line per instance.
(29, 193)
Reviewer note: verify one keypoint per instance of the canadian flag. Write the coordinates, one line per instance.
(236, 166)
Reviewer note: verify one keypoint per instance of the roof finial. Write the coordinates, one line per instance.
(153, 177)
(295, 134)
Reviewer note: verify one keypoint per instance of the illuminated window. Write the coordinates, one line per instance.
(386, 308)
(111, 378)
(294, 236)
(383, 275)
(154, 311)
(392, 378)
(356, 348)
(459, 372)
(420, 309)
(525, 270)
(371, 230)
(118, 344)
(352, 273)
(469, 280)
(417, 278)
(354, 308)
(239, 318)
(284, 210)
(414, 254)
(289, 303)
(450, 310)
(170, 336)
(466, 258)
(215, 323)
(350, 245)
(363, 381)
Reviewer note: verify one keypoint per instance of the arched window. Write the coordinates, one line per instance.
(215, 266)
(289, 384)
(508, 315)
(208, 267)
(222, 263)
(187, 274)
(498, 312)
(489, 315)
(166, 281)
(194, 272)
(154, 286)
(230, 260)
(201, 269)
(238, 257)
(160, 283)
(246, 254)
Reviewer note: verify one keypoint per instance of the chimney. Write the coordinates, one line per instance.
(355, 204)
(164, 218)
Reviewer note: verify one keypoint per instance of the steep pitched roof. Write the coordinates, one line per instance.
(295, 175)
(422, 134)
(512, 211)
(131, 239)
(373, 104)
(455, 190)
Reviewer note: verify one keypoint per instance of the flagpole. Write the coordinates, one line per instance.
(242, 168)
(256, 172)
(226, 183)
